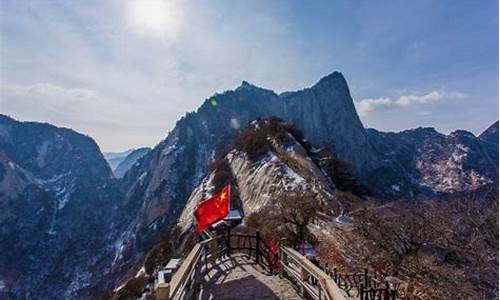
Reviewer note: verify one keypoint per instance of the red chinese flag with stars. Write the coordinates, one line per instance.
(212, 210)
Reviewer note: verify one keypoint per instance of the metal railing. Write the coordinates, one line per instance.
(362, 285)
(311, 280)
(184, 282)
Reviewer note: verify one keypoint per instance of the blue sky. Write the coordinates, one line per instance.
(124, 71)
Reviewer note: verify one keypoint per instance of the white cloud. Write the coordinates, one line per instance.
(366, 106)
(425, 113)
(49, 89)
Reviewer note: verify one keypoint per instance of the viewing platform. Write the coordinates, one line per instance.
(239, 266)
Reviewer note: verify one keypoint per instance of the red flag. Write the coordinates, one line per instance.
(213, 210)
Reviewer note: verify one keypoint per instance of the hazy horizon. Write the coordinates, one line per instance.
(123, 72)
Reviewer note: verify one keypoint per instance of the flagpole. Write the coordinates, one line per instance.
(229, 202)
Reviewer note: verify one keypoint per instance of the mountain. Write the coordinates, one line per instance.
(490, 135)
(115, 158)
(426, 161)
(271, 161)
(489, 140)
(129, 161)
(58, 206)
(158, 186)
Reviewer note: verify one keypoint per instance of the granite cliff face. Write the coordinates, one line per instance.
(326, 115)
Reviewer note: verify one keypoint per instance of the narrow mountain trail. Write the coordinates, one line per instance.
(239, 277)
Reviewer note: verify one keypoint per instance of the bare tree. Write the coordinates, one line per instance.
(297, 210)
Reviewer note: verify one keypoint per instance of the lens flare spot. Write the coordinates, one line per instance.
(234, 123)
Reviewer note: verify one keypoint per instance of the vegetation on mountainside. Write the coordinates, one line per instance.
(256, 139)
(163, 250)
(222, 176)
(338, 171)
(440, 249)
(171, 244)
(288, 217)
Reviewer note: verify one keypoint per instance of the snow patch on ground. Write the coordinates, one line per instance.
(344, 220)
(201, 156)
(458, 156)
(2, 285)
(169, 149)
(396, 188)
(119, 246)
(143, 175)
(54, 179)
(81, 279)
(463, 147)
(63, 195)
(292, 179)
(42, 153)
(141, 271)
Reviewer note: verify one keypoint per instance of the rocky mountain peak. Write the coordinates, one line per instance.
(335, 79)
(490, 135)
(246, 85)
(248, 88)
(463, 133)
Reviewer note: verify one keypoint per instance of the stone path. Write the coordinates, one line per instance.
(241, 278)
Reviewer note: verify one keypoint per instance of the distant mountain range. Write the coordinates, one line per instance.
(115, 158)
(69, 227)
(121, 162)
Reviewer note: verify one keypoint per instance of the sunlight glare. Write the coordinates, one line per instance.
(159, 18)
